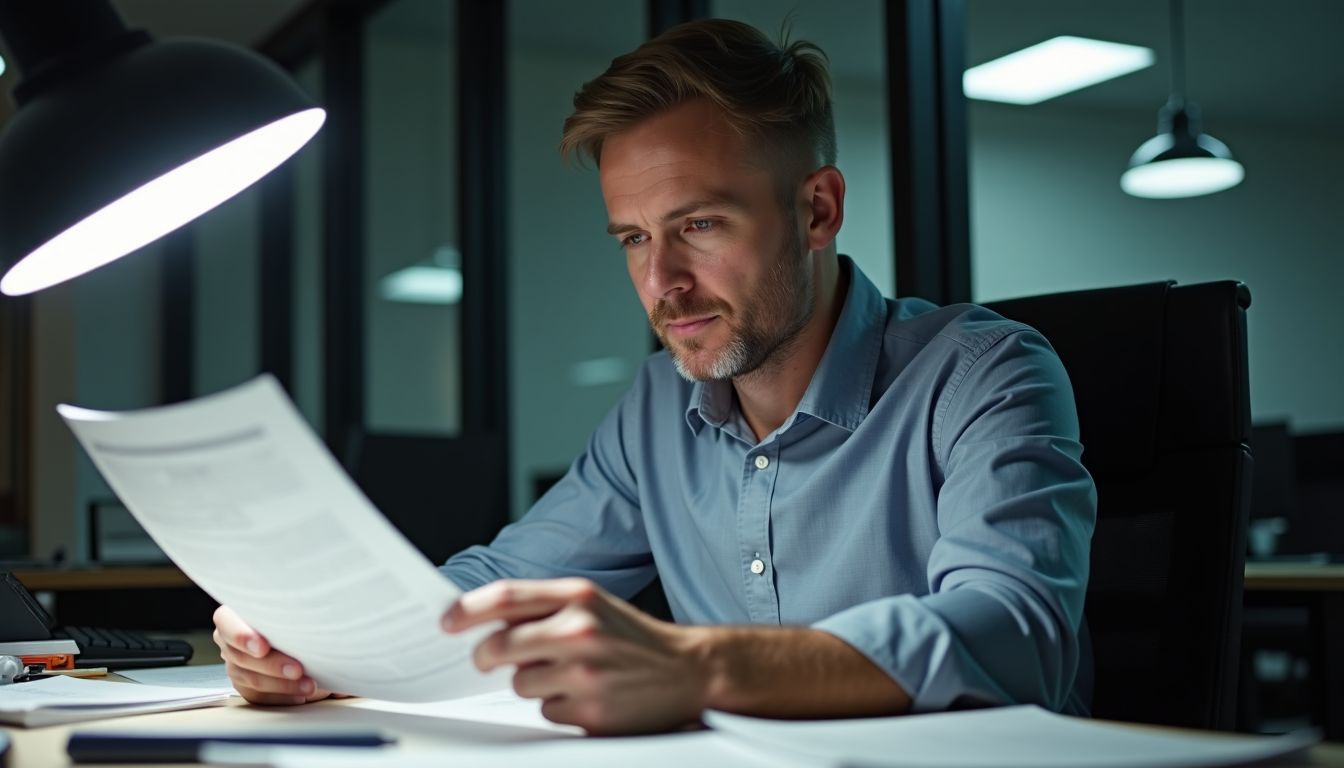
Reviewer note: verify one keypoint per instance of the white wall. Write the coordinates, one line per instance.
(863, 157)
(412, 359)
(1048, 215)
(570, 298)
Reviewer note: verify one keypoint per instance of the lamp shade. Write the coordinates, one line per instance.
(1180, 161)
(125, 140)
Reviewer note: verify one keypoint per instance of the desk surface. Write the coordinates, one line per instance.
(1295, 577)
(134, 577)
(45, 747)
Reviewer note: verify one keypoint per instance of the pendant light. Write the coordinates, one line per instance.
(1180, 161)
(119, 139)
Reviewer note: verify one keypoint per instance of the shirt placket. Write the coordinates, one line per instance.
(756, 560)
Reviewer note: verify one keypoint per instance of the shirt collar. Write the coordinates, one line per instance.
(842, 385)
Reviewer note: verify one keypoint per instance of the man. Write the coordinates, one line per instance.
(857, 506)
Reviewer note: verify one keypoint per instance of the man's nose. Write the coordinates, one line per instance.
(667, 271)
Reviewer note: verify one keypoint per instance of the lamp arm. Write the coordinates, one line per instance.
(38, 32)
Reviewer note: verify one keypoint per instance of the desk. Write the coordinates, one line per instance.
(65, 579)
(1320, 590)
(113, 596)
(45, 747)
(1294, 577)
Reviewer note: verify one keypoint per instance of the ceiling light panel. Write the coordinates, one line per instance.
(1053, 68)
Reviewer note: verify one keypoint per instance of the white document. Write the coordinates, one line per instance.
(209, 676)
(502, 707)
(249, 503)
(1025, 736)
(61, 699)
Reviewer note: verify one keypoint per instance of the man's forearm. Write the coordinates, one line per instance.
(790, 672)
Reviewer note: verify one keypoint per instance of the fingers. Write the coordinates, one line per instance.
(592, 715)
(261, 674)
(232, 630)
(274, 672)
(573, 632)
(547, 681)
(513, 601)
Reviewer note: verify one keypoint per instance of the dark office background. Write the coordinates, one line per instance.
(440, 151)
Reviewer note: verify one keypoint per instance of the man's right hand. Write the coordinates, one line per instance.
(260, 673)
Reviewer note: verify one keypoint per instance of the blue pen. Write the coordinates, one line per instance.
(185, 746)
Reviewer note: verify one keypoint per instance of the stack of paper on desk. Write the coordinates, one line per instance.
(248, 502)
(1008, 737)
(999, 738)
(211, 677)
(61, 699)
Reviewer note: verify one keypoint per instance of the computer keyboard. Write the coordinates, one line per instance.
(123, 649)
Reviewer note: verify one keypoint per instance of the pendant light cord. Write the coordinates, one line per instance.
(1177, 52)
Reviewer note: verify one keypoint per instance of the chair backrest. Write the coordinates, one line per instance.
(1159, 375)
(443, 493)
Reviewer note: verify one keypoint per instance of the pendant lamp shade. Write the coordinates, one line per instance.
(120, 139)
(1181, 160)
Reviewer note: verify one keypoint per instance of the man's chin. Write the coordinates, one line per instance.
(693, 366)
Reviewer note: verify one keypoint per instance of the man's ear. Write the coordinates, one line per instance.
(824, 201)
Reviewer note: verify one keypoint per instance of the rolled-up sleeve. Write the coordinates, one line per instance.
(587, 525)
(1007, 574)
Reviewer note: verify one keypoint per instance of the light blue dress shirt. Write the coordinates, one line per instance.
(925, 503)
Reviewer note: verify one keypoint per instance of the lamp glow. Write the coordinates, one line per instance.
(1182, 177)
(1052, 68)
(423, 284)
(162, 205)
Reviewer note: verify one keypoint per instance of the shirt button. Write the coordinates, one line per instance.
(762, 463)
(757, 567)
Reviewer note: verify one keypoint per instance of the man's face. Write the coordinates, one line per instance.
(719, 264)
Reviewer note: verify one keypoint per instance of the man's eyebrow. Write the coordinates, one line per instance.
(717, 201)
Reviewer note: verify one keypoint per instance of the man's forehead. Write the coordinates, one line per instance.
(680, 186)
(677, 170)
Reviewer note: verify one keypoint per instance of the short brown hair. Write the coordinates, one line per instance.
(780, 93)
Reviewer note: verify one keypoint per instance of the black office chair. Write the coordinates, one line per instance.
(1159, 374)
(443, 493)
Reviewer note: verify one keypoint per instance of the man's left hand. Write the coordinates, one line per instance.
(594, 660)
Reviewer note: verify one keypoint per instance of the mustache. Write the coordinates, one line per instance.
(665, 311)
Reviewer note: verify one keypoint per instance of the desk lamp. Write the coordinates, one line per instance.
(119, 138)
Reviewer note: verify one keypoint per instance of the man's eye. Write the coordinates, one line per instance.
(635, 239)
(702, 225)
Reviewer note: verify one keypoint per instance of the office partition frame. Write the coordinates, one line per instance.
(927, 122)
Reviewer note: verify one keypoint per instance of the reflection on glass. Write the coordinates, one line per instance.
(577, 332)
(412, 356)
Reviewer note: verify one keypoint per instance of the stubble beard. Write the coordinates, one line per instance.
(769, 326)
